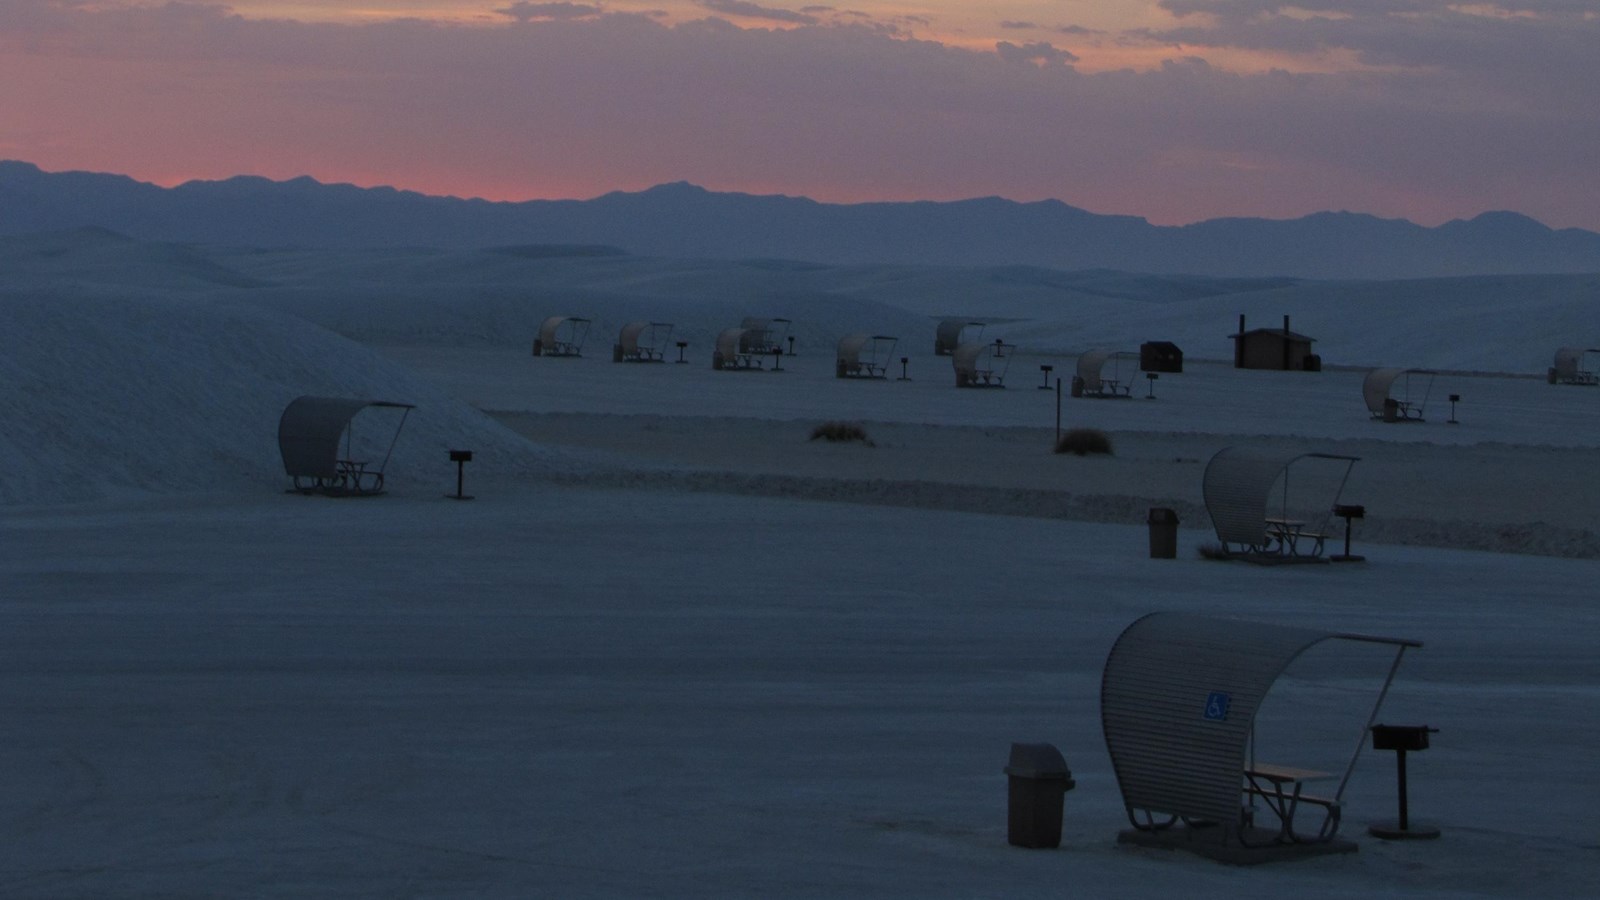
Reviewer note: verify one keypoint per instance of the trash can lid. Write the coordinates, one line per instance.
(1037, 761)
(1162, 515)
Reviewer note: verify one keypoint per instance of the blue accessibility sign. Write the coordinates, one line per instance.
(1217, 706)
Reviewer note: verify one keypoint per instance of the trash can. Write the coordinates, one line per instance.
(1077, 386)
(1039, 780)
(1391, 409)
(1163, 524)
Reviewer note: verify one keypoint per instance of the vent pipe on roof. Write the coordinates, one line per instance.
(1238, 345)
(1286, 342)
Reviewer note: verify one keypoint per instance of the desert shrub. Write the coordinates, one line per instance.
(840, 431)
(1084, 441)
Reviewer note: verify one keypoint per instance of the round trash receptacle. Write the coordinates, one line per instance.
(1163, 524)
(1076, 389)
(1038, 781)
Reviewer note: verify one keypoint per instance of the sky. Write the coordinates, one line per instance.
(1176, 110)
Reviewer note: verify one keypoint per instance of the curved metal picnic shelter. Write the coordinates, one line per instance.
(980, 364)
(1092, 379)
(1250, 498)
(864, 355)
(316, 437)
(1397, 394)
(948, 335)
(643, 341)
(762, 336)
(1569, 366)
(725, 352)
(561, 336)
(743, 347)
(1178, 701)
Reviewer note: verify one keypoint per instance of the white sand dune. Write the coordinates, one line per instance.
(676, 648)
(106, 395)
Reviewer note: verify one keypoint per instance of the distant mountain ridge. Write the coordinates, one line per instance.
(682, 220)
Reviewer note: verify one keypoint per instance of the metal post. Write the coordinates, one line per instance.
(681, 345)
(1046, 371)
(1362, 743)
(1151, 377)
(791, 345)
(1454, 399)
(460, 458)
(1058, 413)
(903, 361)
(1405, 816)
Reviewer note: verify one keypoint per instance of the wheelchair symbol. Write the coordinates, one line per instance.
(1217, 706)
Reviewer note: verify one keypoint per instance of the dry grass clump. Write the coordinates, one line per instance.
(1084, 441)
(836, 432)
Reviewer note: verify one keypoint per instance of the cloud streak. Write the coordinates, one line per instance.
(1440, 114)
(530, 12)
(746, 10)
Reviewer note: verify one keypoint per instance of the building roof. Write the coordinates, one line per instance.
(1275, 332)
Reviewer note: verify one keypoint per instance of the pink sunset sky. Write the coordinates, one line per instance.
(1175, 110)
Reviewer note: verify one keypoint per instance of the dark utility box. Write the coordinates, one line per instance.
(1160, 356)
(1400, 737)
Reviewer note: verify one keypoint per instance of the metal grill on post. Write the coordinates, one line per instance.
(1401, 739)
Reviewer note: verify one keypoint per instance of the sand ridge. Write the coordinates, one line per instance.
(1484, 497)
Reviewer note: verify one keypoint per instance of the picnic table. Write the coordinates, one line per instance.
(1285, 536)
(354, 475)
(1281, 790)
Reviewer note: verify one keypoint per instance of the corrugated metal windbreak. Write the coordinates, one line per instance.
(1376, 386)
(1569, 362)
(548, 329)
(1235, 488)
(1089, 367)
(1177, 701)
(730, 343)
(968, 356)
(850, 348)
(309, 431)
(629, 338)
(947, 336)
